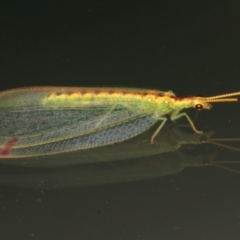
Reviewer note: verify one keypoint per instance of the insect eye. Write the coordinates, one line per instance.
(199, 106)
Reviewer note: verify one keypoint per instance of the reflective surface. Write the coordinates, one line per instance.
(132, 160)
(185, 186)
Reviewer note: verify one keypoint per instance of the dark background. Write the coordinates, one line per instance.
(189, 47)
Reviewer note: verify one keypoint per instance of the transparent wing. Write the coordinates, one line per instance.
(101, 137)
(31, 126)
(39, 125)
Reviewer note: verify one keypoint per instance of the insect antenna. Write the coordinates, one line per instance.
(218, 164)
(224, 164)
(217, 142)
(223, 98)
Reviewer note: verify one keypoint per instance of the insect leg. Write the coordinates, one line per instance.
(158, 129)
(174, 117)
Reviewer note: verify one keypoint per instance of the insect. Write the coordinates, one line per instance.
(48, 120)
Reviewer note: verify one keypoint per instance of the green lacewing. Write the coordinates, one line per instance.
(47, 120)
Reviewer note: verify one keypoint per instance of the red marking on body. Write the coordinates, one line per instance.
(8, 146)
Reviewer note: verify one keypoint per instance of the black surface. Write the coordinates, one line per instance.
(189, 47)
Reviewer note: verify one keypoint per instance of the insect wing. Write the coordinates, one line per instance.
(34, 126)
(100, 137)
